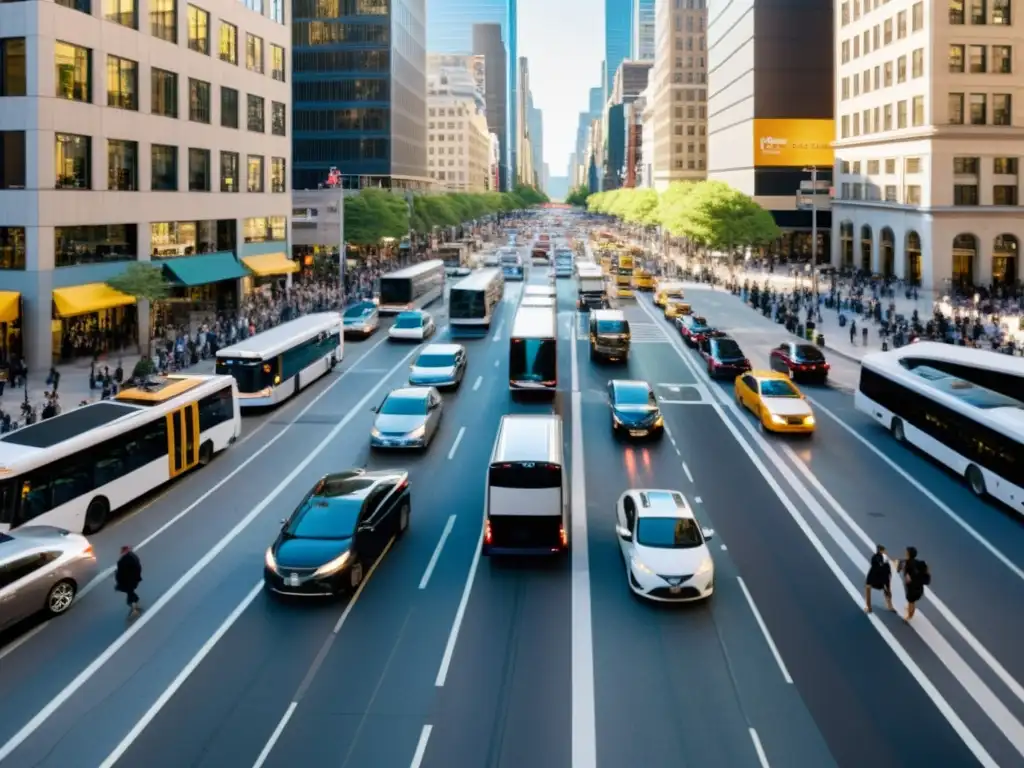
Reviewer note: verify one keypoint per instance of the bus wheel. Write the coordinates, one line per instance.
(334, 362)
(976, 481)
(206, 453)
(96, 515)
(897, 430)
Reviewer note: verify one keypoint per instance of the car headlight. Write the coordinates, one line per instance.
(335, 565)
(776, 419)
(374, 432)
(616, 419)
(269, 560)
(660, 421)
(706, 567)
(417, 433)
(809, 420)
(639, 566)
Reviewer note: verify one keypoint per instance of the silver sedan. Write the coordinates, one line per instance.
(408, 418)
(439, 365)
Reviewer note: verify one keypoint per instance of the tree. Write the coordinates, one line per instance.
(577, 196)
(641, 207)
(144, 281)
(374, 214)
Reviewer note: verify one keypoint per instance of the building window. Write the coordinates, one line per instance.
(966, 166)
(976, 59)
(887, 117)
(278, 116)
(956, 11)
(122, 165)
(277, 62)
(265, 229)
(917, 63)
(1004, 194)
(901, 25)
(277, 175)
(979, 108)
(887, 32)
(254, 113)
(872, 167)
(165, 168)
(901, 69)
(12, 159)
(918, 116)
(198, 101)
(901, 114)
(98, 244)
(254, 173)
(890, 193)
(956, 109)
(1002, 59)
(912, 194)
(229, 171)
(163, 19)
(887, 74)
(72, 161)
(917, 16)
(1004, 166)
(82, 6)
(122, 83)
(123, 12)
(12, 248)
(956, 58)
(1002, 113)
(978, 14)
(228, 43)
(164, 92)
(255, 5)
(228, 107)
(198, 30)
(199, 170)
(73, 72)
(890, 166)
(965, 194)
(277, 11)
(1001, 12)
(13, 79)
(254, 53)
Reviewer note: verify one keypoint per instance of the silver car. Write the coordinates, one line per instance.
(439, 365)
(408, 418)
(42, 569)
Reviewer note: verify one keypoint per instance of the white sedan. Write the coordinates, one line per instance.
(412, 326)
(663, 547)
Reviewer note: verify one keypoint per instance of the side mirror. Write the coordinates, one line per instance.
(373, 409)
(709, 533)
(624, 533)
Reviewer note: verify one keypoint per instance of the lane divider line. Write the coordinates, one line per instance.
(686, 470)
(764, 630)
(455, 445)
(421, 747)
(453, 635)
(759, 748)
(479, 381)
(269, 746)
(437, 552)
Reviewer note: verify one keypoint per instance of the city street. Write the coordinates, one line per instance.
(447, 660)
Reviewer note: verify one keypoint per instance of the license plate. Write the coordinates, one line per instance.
(293, 580)
(637, 432)
(675, 590)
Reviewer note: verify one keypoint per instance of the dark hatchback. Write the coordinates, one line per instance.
(800, 361)
(694, 329)
(723, 357)
(337, 533)
(635, 411)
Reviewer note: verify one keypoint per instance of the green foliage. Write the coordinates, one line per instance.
(578, 196)
(143, 280)
(374, 214)
(144, 368)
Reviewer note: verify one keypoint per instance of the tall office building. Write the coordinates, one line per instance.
(458, 140)
(928, 143)
(524, 151)
(618, 39)
(642, 47)
(450, 22)
(513, 83)
(488, 42)
(128, 138)
(630, 80)
(770, 111)
(359, 94)
(535, 122)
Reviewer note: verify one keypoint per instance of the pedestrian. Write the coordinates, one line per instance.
(127, 578)
(916, 577)
(879, 577)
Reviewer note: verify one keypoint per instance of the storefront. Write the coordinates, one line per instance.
(205, 284)
(269, 270)
(92, 320)
(10, 325)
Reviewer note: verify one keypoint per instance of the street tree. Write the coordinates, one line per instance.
(145, 282)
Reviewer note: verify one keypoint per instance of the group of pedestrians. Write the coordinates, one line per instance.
(913, 571)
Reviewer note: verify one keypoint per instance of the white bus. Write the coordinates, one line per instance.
(960, 406)
(526, 508)
(533, 350)
(474, 299)
(274, 365)
(74, 470)
(412, 288)
(511, 264)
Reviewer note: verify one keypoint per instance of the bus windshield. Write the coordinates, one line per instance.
(395, 290)
(466, 303)
(251, 375)
(533, 360)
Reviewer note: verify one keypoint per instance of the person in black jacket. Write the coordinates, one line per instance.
(916, 577)
(879, 577)
(127, 578)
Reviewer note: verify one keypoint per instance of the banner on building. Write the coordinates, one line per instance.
(793, 142)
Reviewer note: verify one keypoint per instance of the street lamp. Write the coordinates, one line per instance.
(813, 170)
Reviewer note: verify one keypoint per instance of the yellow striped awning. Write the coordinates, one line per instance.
(92, 297)
(271, 264)
(9, 306)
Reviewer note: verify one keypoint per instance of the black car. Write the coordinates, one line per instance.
(591, 301)
(800, 361)
(694, 329)
(635, 411)
(723, 357)
(337, 533)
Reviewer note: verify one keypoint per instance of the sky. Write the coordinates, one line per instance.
(564, 42)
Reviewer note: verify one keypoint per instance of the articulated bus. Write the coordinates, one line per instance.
(412, 288)
(474, 299)
(274, 365)
(960, 406)
(533, 354)
(74, 470)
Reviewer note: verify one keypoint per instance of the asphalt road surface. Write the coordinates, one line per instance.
(449, 662)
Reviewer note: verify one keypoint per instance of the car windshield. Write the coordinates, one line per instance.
(668, 533)
(632, 395)
(727, 348)
(435, 361)
(404, 406)
(698, 323)
(612, 326)
(409, 321)
(322, 518)
(358, 312)
(778, 388)
(809, 353)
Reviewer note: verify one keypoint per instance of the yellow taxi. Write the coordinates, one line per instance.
(776, 401)
(677, 308)
(643, 280)
(665, 291)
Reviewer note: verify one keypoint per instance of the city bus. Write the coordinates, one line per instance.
(74, 470)
(473, 300)
(274, 365)
(960, 406)
(512, 264)
(533, 354)
(454, 255)
(412, 288)
(624, 276)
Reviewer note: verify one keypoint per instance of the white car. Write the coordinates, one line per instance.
(663, 547)
(412, 326)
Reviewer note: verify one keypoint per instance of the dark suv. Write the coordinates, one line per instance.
(609, 335)
(723, 357)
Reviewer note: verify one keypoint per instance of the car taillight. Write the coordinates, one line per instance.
(563, 536)
(88, 551)
(746, 363)
(488, 536)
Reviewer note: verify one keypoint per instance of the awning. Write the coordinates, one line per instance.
(9, 306)
(92, 297)
(204, 269)
(271, 264)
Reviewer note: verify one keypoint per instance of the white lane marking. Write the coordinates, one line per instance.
(992, 549)
(479, 381)
(686, 469)
(671, 437)
(269, 746)
(453, 635)
(497, 331)
(200, 565)
(107, 573)
(437, 552)
(584, 725)
(16, 644)
(178, 681)
(761, 756)
(852, 591)
(724, 548)
(682, 402)
(421, 747)
(455, 445)
(698, 500)
(923, 627)
(764, 629)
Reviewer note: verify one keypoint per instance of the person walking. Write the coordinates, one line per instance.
(127, 578)
(879, 577)
(916, 577)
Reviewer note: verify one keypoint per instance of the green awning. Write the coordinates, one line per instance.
(204, 269)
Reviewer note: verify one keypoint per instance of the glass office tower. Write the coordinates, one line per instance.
(618, 38)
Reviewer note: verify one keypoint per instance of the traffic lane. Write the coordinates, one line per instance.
(164, 567)
(840, 665)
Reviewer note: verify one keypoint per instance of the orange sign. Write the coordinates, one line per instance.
(792, 142)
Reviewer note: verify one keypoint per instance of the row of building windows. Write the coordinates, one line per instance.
(913, 165)
(880, 119)
(361, 119)
(311, 34)
(963, 194)
(321, 62)
(980, 59)
(883, 75)
(973, 109)
(334, 91)
(996, 12)
(882, 34)
(962, 109)
(334, 9)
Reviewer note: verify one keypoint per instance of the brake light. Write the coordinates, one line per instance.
(88, 551)
(488, 536)
(563, 536)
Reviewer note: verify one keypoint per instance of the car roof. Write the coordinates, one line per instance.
(440, 349)
(30, 537)
(765, 375)
(631, 384)
(608, 314)
(412, 313)
(410, 393)
(354, 484)
(726, 337)
(660, 502)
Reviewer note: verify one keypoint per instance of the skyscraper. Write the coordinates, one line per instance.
(488, 42)
(450, 22)
(535, 126)
(618, 38)
(513, 84)
(642, 48)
